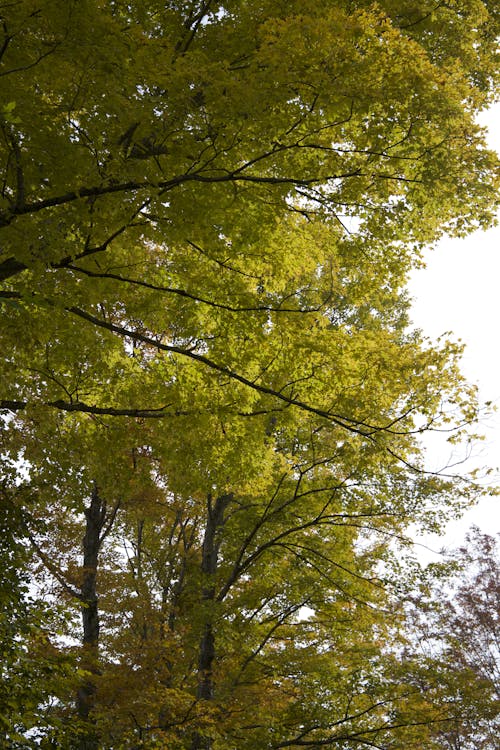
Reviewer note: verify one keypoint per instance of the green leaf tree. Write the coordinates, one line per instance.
(208, 214)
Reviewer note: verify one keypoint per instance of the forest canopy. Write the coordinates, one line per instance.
(212, 397)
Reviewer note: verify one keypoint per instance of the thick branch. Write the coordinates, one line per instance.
(11, 267)
(189, 295)
(80, 406)
(347, 423)
(135, 186)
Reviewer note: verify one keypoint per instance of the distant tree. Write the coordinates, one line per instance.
(35, 674)
(456, 624)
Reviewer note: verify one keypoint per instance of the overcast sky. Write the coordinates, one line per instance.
(459, 291)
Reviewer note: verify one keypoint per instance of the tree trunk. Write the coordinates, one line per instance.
(95, 515)
(209, 561)
(171, 596)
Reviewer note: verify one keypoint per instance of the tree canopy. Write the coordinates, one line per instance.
(212, 395)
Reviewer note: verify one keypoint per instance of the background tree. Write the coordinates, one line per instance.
(456, 630)
(35, 674)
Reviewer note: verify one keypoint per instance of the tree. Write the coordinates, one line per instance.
(455, 621)
(201, 641)
(208, 215)
(33, 670)
(169, 139)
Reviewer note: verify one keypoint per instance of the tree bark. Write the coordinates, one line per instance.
(209, 562)
(171, 595)
(95, 516)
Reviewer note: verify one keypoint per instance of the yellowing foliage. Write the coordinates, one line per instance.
(208, 212)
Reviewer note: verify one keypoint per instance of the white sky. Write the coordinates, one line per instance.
(459, 291)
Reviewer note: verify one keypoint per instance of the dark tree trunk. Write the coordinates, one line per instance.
(209, 561)
(95, 515)
(171, 597)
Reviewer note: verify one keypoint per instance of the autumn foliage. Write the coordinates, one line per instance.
(212, 395)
